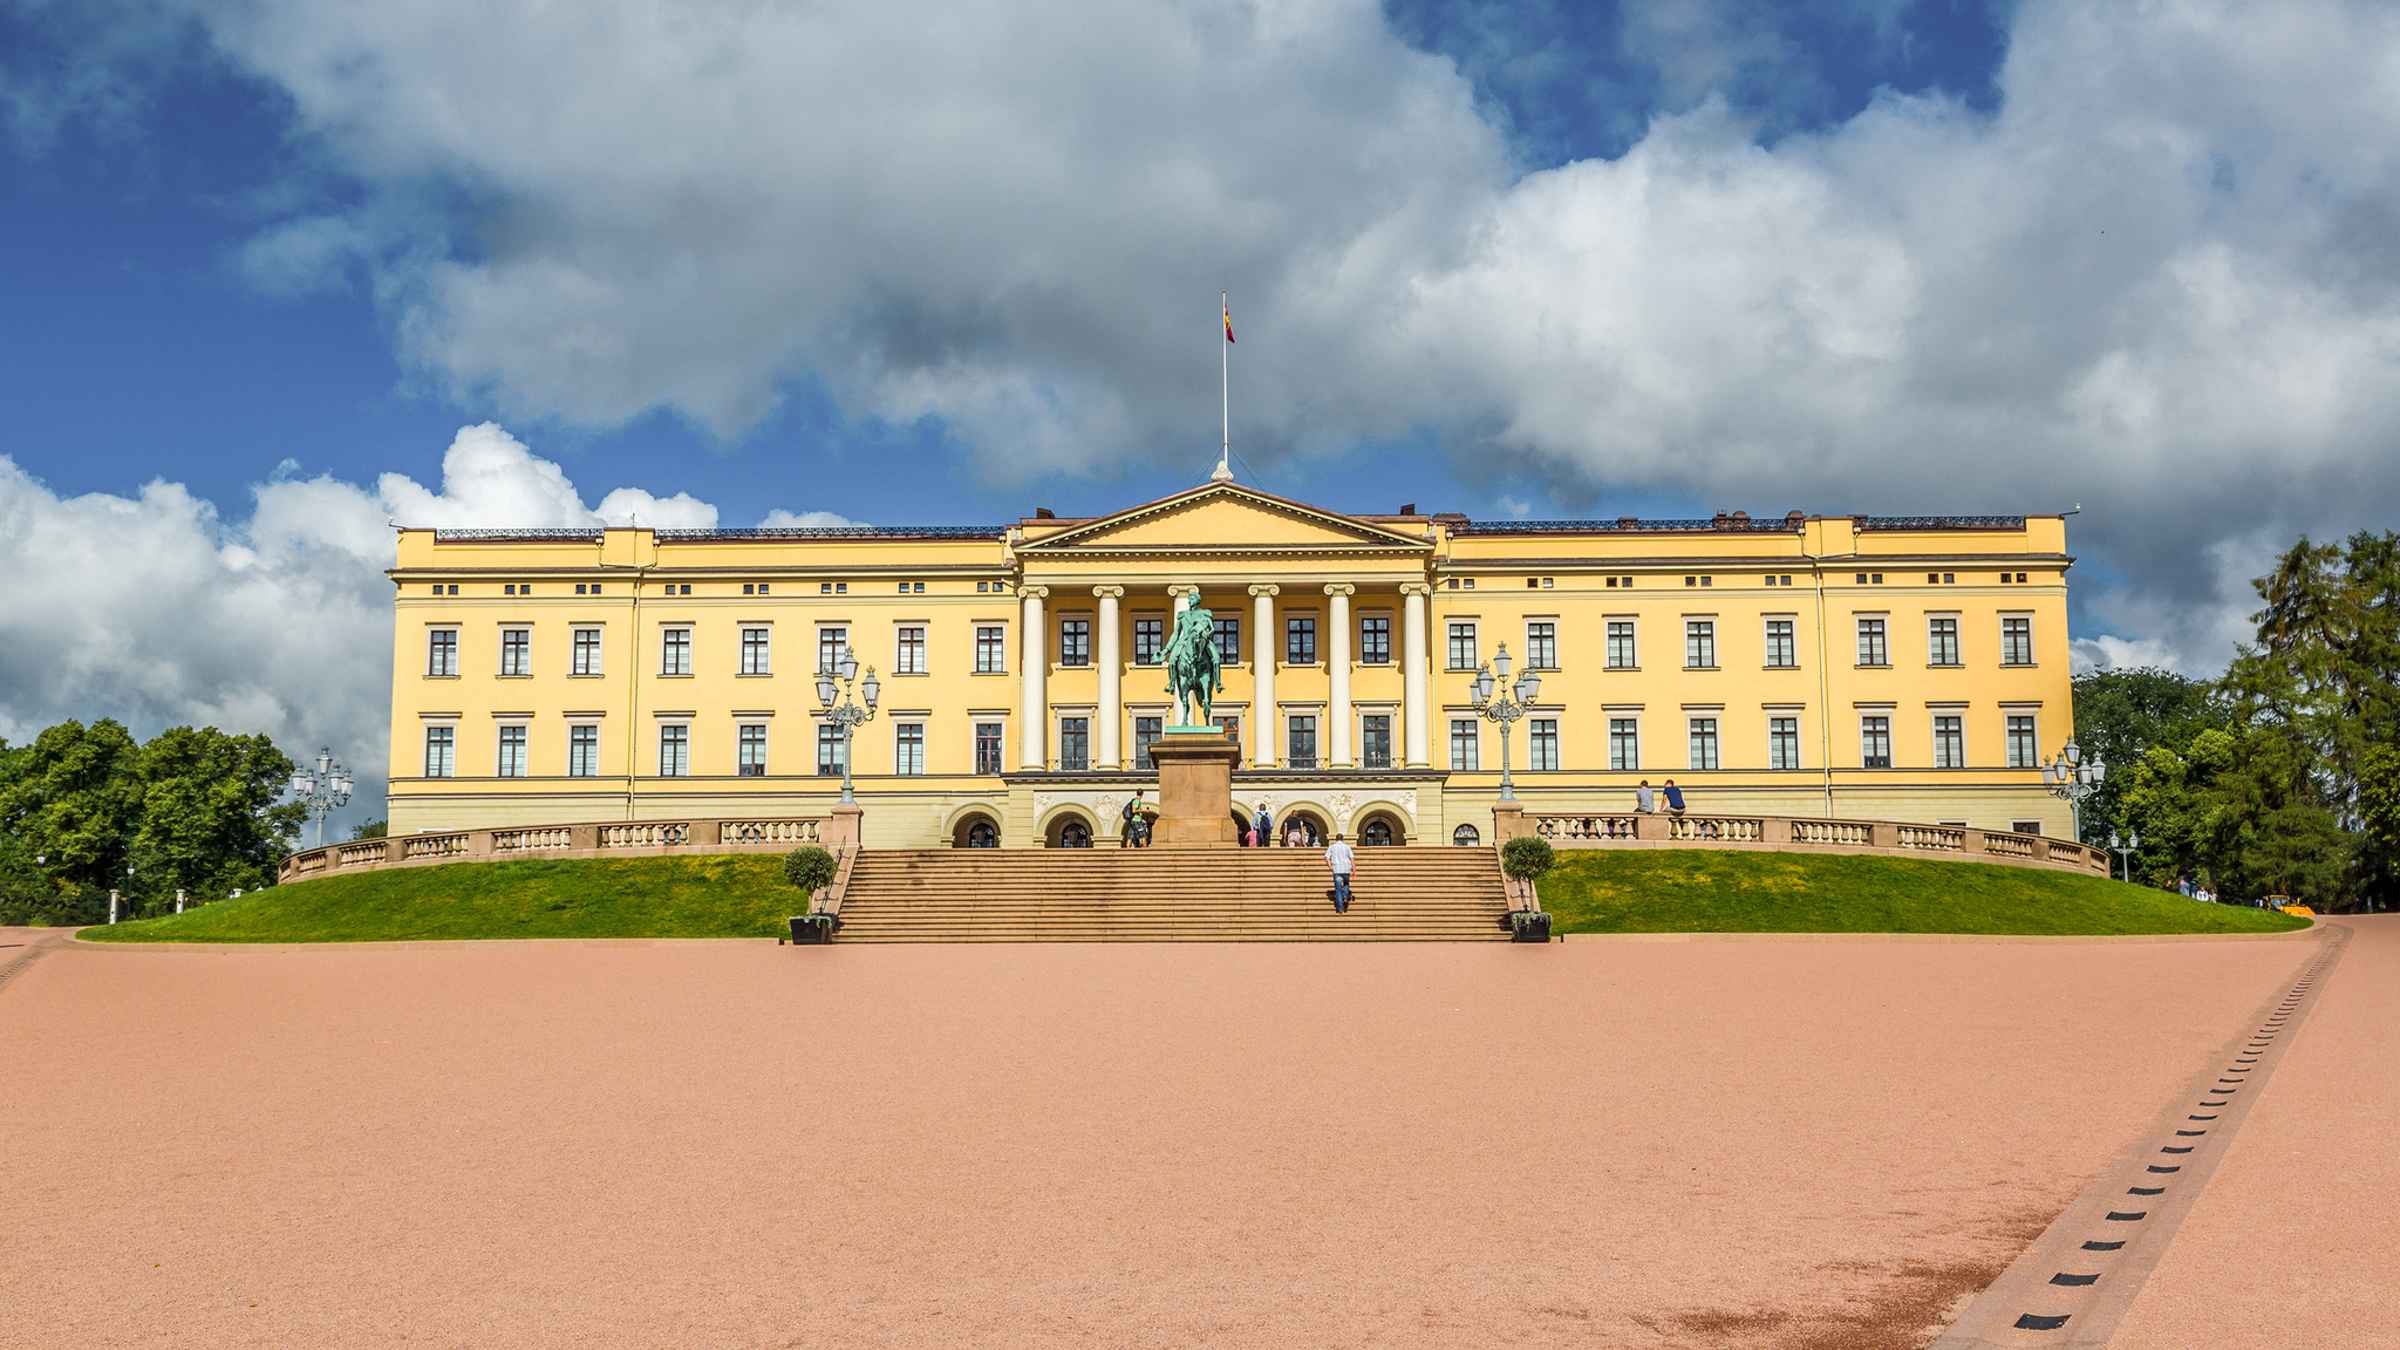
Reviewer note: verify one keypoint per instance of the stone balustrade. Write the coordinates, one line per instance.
(600, 839)
(1802, 834)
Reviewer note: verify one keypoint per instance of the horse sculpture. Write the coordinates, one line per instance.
(1194, 676)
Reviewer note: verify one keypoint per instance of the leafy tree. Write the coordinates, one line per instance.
(2379, 824)
(210, 822)
(2120, 715)
(809, 868)
(73, 796)
(378, 828)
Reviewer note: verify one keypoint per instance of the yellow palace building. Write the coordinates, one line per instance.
(1863, 667)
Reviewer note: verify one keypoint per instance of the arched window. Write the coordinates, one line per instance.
(1074, 834)
(983, 834)
(1376, 833)
(1465, 836)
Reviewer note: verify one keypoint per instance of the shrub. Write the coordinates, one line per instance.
(809, 867)
(1526, 857)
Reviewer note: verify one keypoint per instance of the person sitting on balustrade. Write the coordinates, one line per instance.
(1674, 800)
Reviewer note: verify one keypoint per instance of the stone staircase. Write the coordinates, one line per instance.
(1404, 894)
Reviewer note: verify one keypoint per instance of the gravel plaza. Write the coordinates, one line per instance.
(1759, 1141)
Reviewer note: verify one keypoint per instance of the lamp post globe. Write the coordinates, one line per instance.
(323, 788)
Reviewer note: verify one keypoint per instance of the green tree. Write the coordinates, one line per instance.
(210, 820)
(2379, 824)
(2120, 715)
(378, 828)
(73, 796)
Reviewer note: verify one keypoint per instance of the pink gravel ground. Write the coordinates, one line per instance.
(1619, 1143)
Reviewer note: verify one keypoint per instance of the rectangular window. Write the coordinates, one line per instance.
(1541, 645)
(754, 651)
(1375, 740)
(1375, 640)
(1620, 644)
(1783, 742)
(1463, 744)
(1300, 640)
(991, 649)
(1149, 639)
(1542, 744)
(832, 641)
(1462, 646)
(441, 744)
(583, 750)
(2016, 641)
(675, 651)
(750, 759)
(1782, 653)
(516, 651)
(829, 750)
(1074, 642)
(674, 751)
(1145, 734)
(1700, 644)
(1074, 743)
(1229, 639)
(512, 752)
(1624, 744)
(1704, 743)
(1300, 742)
(587, 651)
(908, 751)
(1872, 647)
(911, 657)
(1949, 742)
(1231, 725)
(1875, 742)
(987, 747)
(441, 651)
(1941, 642)
(2021, 751)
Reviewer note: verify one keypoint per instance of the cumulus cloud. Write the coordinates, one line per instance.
(780, 519)
(156, 609)
(2156, 277)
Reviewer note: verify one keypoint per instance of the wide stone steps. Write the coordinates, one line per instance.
(1170, 895)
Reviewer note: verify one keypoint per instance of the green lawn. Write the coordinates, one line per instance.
(1726, 891)
(697, 897)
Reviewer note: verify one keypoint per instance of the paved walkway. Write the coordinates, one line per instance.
(1786, 1143)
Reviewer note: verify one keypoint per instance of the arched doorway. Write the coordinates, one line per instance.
(1380, 830)
(976, 831)
(1315, 833)
(1070, 830)
(1466, 836)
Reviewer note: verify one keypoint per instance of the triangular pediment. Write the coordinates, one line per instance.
(1223, 518)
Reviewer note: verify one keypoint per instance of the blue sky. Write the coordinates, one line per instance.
(276, 271)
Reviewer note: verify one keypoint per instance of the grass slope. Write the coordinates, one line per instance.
(1725, 891)
(701, 897)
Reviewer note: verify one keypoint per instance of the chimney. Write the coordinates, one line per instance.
(1627, 522)
(1793, 520)
(1408, 508)
(1044, 513)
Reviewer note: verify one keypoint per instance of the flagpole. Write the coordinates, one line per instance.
(1224, 469)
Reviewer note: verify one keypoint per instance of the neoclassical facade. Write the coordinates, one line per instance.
(1899, 668)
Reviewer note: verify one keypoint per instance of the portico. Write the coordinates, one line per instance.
(1335, 654)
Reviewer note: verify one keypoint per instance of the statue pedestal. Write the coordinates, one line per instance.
(1195, 787)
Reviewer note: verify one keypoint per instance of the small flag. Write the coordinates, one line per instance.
(1229, 323)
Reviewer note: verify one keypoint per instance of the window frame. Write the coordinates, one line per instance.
(448, 734)
(1081, 739)
(434, 646)
(585, 659)
(991, 639)
(1365, 755)
(1142, 763)
(669, 646)
(1933, 641)
(1299, 637)
(1699, 633)
(1292, 758)
(743, 740)
(682, 742)
(902, 648)
(516, 640)
(582, 736)
(1791, 641)
(832, 749)
(1534, 740)
(1450, 639)
(1948, 752)
(1473, 733)
(999, 744)
(1378, 652)
(1541, 649)
(832, 640)
(908, 756)
(500, 747)
(1782, 747)
(2033, 737)
(1631, 639)
(2006, 659)
(1866, 760)
(1882, 626)
(1697, 740)
(757, 651)
(1074, 629)
(1226, 631)
(1157, 647)
(1624, 733)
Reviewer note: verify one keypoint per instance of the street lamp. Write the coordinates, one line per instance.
(1505, 708)
(2074, 779)
(2124, 849)
(322, 788)
(834, 689)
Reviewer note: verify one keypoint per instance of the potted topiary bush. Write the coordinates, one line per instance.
(810, 869)
(1524, 859)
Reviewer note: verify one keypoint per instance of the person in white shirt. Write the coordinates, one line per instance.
(1645, 800)
(1339, 857)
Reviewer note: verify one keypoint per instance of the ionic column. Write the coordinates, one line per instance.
(1033, 650)
(1262, 674)
(1414, 657)
(1112, 708)
(1185, 596)
(1337, 667)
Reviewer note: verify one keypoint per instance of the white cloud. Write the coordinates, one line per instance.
(2158, 280)
(154, 609)
(780, 519)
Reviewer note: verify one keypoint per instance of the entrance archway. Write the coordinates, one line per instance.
(1071, 829)
(976, 831)
(1319, 834)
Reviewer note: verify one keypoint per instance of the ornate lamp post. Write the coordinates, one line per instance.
(2124, 849)
(321, 788)
(834, 690)
(1505, 708)
(2073, 779)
